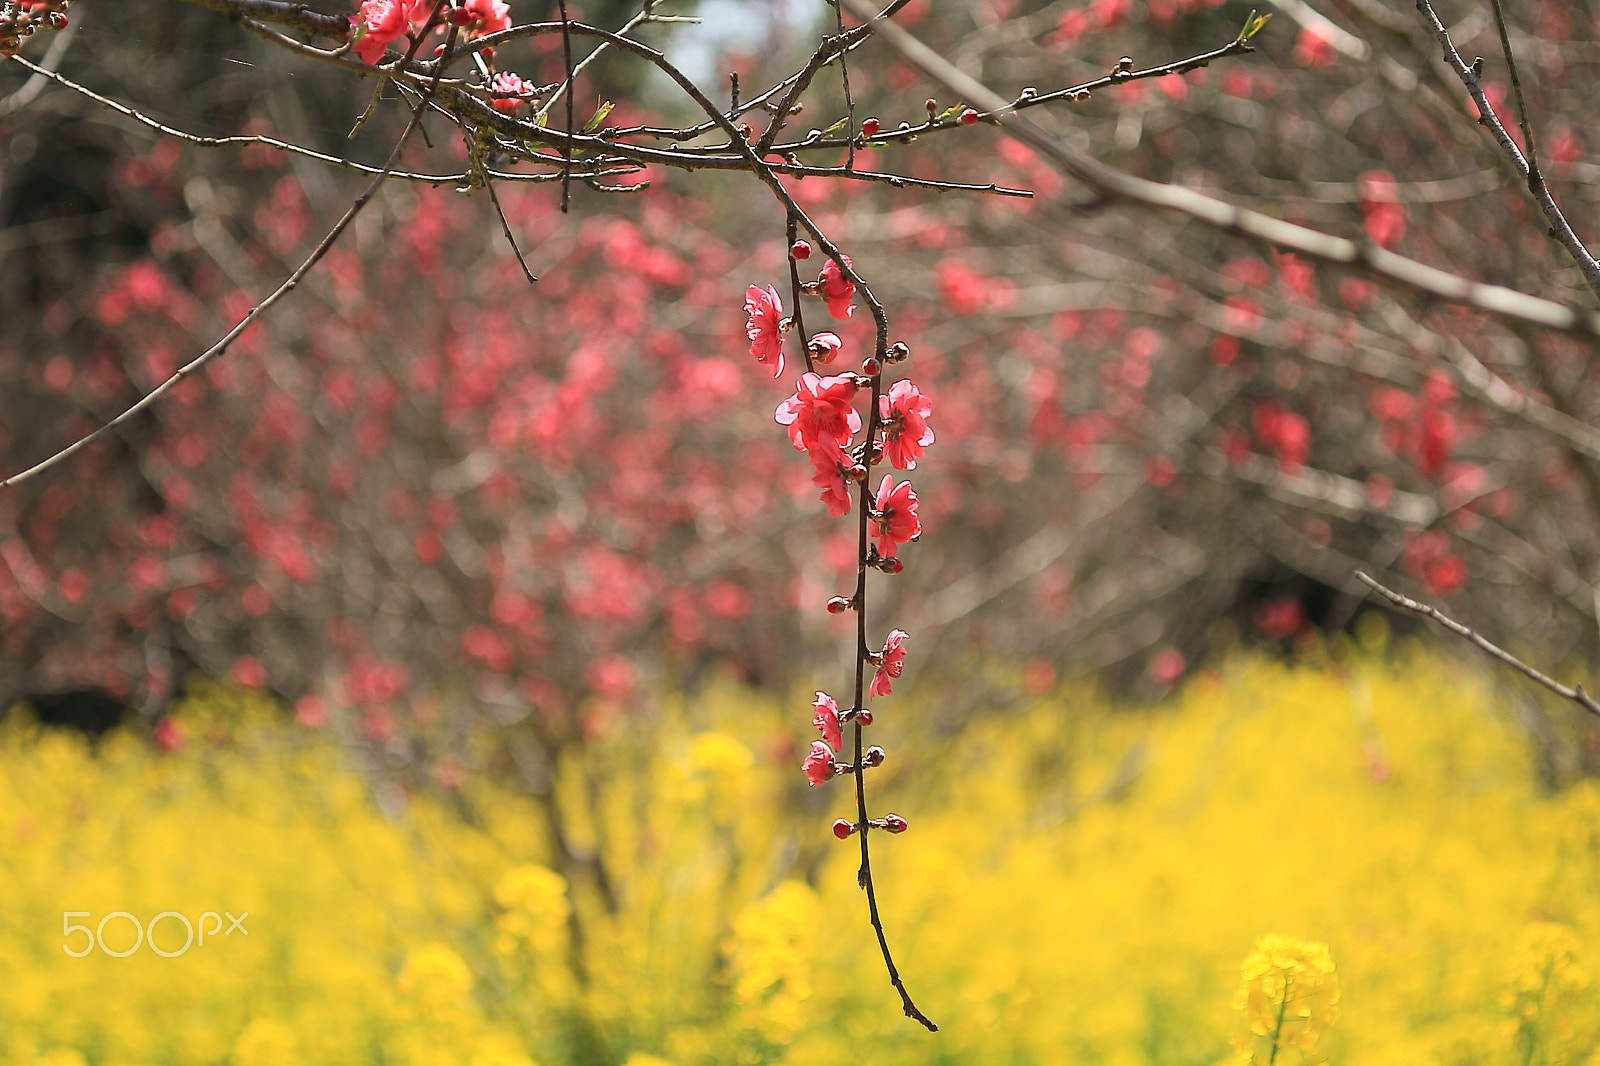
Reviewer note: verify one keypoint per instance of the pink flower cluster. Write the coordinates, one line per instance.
(822, 421)
(379, 23)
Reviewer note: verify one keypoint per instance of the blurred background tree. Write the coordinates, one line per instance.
(424, 497)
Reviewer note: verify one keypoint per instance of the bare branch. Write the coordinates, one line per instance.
(1574, 693)
(194, 365)
(1527, 165)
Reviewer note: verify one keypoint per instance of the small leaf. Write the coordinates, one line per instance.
(950, 112)
(1253, 24)
(599, 116)
(835, 128)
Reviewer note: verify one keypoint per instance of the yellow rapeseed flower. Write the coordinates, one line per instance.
(266, 1043)
(535, 905)
(1546, 983)
(1289, 994)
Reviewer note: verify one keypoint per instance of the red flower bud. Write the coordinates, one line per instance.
(931, 104)
(864, 716)
(891, 565)
(871, 367)
(894, 823)
(842, 829)
(838, 605)
(898, 352)
(58, 20)
(875, 756)
(869, 126)
(968, 117)
(800, 250)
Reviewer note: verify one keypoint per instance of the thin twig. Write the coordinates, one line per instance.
(194, 366)
(566, 148)
(243, 139)
(642, 16)
(1574, 693)
(1560, 228)
(849, 98)
(1516, 87)
(793, 230)
(505, 227)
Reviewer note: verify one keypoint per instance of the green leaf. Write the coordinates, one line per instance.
(1253, 24)
(950, 112)
(835, 128)
(599, 116)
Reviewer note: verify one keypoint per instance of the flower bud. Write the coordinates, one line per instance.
(57, 20)
(871, 367)
(842, 829)
(746, 131)
(898, 352)
(869, 127)
(875, 756)
(932, 105)
(891, 565)
(461, 16)
(894, 823)
(968, 117)
(857, 473)
(800, 250)
(838, 605)
(864, 716)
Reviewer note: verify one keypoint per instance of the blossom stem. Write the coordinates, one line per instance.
(863, 655)
(794, 297)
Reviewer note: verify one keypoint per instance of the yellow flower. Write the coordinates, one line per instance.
(1545, 983)
(773, 946)
(536, 907)
(265, 1043)
(436, 978)
(1288, 993)
(639, 1058)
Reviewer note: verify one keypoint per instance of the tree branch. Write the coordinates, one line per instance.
(1574, 693)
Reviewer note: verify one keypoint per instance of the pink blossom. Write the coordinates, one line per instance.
(766, 317)
(830, 465)
(905, 428)
(819, 408)
(385, 20)
(837, 289)
(896, 515)
(827, 720)
(819, 764)
(494, 15)
(824, 346)
(893, 662)
(509, 90)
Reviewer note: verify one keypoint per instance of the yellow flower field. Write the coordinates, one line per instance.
(1351, 862)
